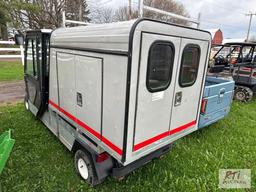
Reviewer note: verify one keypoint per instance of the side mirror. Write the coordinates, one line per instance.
(19, 40)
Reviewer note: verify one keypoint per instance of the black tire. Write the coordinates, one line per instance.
(243, 94)
(92, 178)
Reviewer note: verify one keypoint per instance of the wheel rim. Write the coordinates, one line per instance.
(240, 96)
(83, 169)
(26, 105)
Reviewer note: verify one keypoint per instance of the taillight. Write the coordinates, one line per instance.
(254, 74)
(203, 106)
(102, 157)
(233, 61)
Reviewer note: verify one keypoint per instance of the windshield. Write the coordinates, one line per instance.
(239, 53)
(229, 51)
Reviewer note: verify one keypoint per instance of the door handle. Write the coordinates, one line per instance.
(178, 98)
(221, 95)
(79, 99)
(222, 92)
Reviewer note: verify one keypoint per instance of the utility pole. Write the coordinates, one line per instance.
(63, 19)
(130, 9)
(80, 13)
(250, 23)
(141, 7)
(198, 20)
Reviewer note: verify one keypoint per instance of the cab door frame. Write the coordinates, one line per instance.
(31, 72)
(37, 82)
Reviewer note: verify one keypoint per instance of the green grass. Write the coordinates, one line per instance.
(39, 162)
(11, 70)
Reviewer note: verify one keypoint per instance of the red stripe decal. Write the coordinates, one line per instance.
(165, 134)
(112, 146)
(109, 143)
(181, 128)
(87, 128)
(149, 141)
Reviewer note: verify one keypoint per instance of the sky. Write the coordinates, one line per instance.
(228, 15)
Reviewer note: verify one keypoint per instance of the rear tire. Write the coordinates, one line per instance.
(85, 167)
(243, 94)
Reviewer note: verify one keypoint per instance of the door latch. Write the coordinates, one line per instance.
(178, 98)
(221, 95)
(79, 99)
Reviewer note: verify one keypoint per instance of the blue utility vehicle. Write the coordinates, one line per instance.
(217, 99)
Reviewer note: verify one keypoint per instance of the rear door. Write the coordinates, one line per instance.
(189, 85)
(155, 89)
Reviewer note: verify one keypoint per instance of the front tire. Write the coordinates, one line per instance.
(85, 167)
(243, 94)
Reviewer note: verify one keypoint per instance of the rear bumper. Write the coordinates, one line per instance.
(208, 119)
(125, 170)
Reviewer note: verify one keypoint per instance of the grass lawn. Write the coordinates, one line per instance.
(11, 70)
(39, 162)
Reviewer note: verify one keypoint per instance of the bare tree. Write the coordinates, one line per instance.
(101, 14)
(37, 13)
(3, 21)
(172, 6)
(45, 13)
(77, 10)
(166, 5)
(122, 14)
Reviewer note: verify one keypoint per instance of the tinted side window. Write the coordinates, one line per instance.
(160, 65)
(38, 58)
(34, 52)
(34, 56)
(189, 65)
(47, 55)
(30, 58)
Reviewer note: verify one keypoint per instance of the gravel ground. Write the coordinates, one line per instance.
(12, 91)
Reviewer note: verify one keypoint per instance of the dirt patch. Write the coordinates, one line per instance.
(12, 91)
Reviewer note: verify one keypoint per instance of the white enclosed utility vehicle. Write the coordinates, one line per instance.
(119, 94)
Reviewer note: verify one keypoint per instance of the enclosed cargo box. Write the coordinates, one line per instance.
(123, 92)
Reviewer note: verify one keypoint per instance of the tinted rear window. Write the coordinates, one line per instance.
(160, 66)
(189, 65)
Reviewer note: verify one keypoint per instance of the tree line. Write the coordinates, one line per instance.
(38, 14)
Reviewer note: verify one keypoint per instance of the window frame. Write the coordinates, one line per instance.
(181, 64)
(38, 54)
(162, 88)
(32, 54)
(35, 55)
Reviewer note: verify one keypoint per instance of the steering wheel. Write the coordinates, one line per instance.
(219, 60)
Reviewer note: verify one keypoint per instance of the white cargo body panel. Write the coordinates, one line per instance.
(131, 87)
